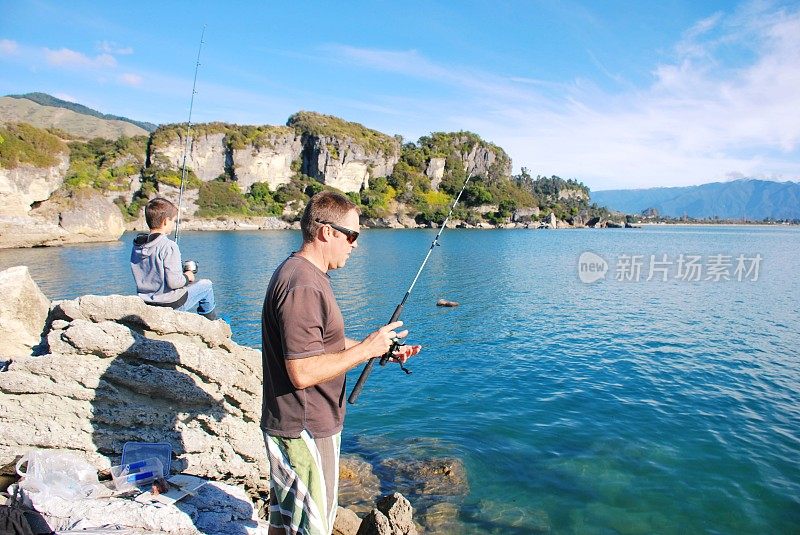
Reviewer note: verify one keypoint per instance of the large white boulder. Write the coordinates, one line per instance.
(118, 370)
(23, 312)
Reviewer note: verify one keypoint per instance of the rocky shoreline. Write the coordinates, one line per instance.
(90, 374)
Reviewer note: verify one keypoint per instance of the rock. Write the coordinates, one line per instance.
(382, 222)
(399, 512)
(23, 312)
(270, 161)
(440, 476)
(435, 172)
(126, 195)
(481, 160)
(228, 223)
(344, 164)
(93, 217)
(393, 516)
(207, 155)
(188, 203)
(375, 523)
(568, 194)
(524, 215)
(442, 518)
(82, 216)
(24, 185)
(216, 508)
(346, 523)
(446, 303)
(118, 370)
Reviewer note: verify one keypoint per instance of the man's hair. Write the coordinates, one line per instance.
(158, 210)
(324, 206)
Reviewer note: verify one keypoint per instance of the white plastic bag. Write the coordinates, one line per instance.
(57, 473)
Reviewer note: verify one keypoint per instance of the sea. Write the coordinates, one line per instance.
(615, 381)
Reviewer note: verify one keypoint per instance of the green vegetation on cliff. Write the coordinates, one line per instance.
(492, 194)
(235, 136)
(23, 144)
(491, 187)
(319, 125)
(223, 197)
(105, 164)
(564, 198)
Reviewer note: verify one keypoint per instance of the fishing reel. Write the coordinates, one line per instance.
(396, 344)
(190, 265)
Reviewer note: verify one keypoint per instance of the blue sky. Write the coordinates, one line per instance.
(615, 94)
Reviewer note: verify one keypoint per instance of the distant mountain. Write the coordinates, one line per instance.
(739, 199)
(22, 110)
(48, 100)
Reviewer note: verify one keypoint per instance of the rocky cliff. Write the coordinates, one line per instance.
(252, 172)
(342, 154)
(25, 184)
(335, 152)
(65, 218)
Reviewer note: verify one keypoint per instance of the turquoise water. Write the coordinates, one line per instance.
(612, 407)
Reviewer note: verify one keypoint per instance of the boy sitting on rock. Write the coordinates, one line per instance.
(157, 268)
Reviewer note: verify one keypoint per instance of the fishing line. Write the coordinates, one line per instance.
(188, 140)
(395, 344)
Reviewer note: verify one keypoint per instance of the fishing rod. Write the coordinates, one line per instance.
(396, 343)
(188, 133)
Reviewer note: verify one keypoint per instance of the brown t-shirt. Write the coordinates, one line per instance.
(300, 319)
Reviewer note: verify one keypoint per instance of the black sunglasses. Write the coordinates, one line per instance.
(352, 235)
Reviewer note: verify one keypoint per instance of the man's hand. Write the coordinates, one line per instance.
(189, 275)
(378, 343)
(403, 353)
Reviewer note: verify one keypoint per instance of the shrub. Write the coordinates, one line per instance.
(220, 197)
(25, 144)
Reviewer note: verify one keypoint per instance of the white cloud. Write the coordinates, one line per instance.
(130, 79)
(110, 47)
(8, 47)
(66, 57)
(65, 96)
(727, 104)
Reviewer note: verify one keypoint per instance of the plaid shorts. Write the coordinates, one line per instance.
(304, 483)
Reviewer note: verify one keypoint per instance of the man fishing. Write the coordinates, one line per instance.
(305, 356)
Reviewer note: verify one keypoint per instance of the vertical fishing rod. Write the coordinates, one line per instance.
(188, 133)
(385, 358)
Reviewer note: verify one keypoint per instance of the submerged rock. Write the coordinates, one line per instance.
(440, 477)
(359, 487)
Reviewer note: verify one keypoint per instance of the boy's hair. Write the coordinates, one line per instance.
(158, 210)
(324, 206)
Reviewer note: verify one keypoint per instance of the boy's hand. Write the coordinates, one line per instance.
(189, 275)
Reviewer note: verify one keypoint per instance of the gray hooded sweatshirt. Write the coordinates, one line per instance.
(158, 270)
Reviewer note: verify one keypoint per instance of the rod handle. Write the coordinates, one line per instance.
(361, 380)
(371, 362)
